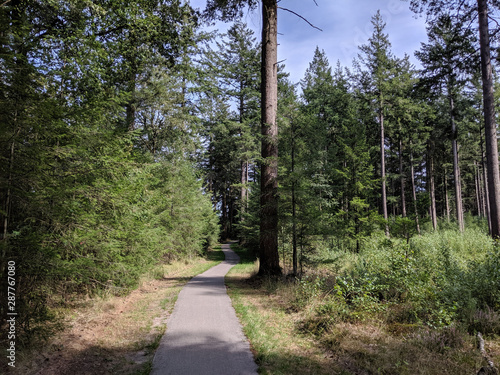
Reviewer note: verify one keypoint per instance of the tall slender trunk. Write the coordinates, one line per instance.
(247, 174)
(231, 214)
(269, 256)
(432, 184)
(446, 198)
(477, 190)
(224, 213)
(414, 192)
(382, 170)
(294, 209)
(401, 172)
(456, 167)
(485, 183)
(244, 163)
(489, 120)
(243, 192)
(482, 196)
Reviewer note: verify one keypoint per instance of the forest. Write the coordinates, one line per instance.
(130, 137)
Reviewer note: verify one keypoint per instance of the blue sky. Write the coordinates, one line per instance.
(345, 24)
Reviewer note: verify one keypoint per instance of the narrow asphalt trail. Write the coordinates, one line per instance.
(204, 336)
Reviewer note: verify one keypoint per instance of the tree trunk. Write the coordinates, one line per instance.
(269, 257)
(414, 192)
(243, 193)
(477, 190)
(482, 196)
(294, 209)
(382, 171)
(401, 172)
(456, 167)
(447, 200)
(489, 120)
(432, 184)
(224, 213)
(485, 184)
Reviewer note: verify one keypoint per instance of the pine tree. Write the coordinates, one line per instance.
(376, 84)
(269, 258)
(467, 11)
(446, 67)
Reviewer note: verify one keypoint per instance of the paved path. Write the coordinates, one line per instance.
(204, 336)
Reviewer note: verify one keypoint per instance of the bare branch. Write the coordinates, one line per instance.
(5, 2)
(494, 20)
(298, 15)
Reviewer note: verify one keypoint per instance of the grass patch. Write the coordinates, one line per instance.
(324, 324)
(116, 334)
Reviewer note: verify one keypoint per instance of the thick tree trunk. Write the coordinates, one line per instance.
(382, 171)
(269, 257)
(489, 120)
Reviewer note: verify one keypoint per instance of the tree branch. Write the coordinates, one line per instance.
(298, 15)
(117, 28)
(5, 2)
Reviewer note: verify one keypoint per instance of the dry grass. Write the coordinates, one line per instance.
(114, 334)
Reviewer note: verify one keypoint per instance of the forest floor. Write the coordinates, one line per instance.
(286, 340)
(114, 334)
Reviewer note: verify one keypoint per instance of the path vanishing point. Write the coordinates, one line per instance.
(204, 336)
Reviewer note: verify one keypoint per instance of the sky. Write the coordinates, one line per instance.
(346, 24)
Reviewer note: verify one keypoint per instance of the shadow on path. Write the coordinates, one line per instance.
(203, 334)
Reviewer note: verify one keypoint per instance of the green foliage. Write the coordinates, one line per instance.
(98, 180)
(438, 278)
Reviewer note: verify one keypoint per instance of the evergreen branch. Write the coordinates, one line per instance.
(298, 15)
(117, 28)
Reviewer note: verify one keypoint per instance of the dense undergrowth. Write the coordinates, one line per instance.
(438, 279)
(415, 304)
(102, 234)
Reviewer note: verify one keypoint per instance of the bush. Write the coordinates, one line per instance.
(438, 277)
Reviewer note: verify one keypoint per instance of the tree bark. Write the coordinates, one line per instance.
(401, 172)
(414, 193)
(456, 167)
(269, 256)
(243, 192)
(382, 170)
(477, 190)
(489, 120)
(294, 209)
(485, 184)
(432, 184)
(447, 201)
